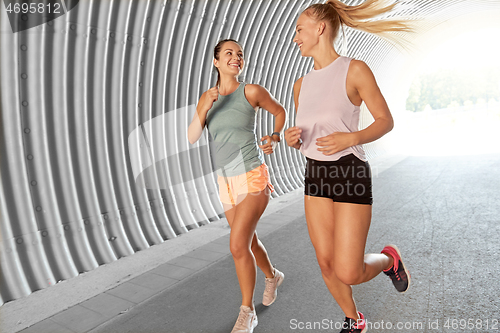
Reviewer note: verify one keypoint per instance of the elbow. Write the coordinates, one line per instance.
(389, 123)
(282, 115)
(285, 113)
(192, 140)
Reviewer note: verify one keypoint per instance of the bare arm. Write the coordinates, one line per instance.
(198, 123)
(292, 135)
(262, 98)
(269, 103)
(365, 84)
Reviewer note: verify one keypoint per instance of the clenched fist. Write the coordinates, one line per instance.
(208, 98)
(292, 137)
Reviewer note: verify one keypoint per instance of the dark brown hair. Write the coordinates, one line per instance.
(217, 49)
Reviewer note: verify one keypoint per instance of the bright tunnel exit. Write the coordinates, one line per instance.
(75, 89)
(453, 105)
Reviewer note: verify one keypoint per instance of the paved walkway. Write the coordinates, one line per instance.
(443, 212)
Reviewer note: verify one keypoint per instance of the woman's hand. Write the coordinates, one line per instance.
(335, 142)
(270, 145)
(208, 98)
(292, 137)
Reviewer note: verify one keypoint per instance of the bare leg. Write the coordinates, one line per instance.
(246, 215)
(338, 233)
(258, 249)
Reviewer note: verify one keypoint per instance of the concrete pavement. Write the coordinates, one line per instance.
(443, 213)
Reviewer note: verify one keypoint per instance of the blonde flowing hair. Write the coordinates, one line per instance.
(360, 17)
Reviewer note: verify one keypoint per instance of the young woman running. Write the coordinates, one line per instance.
(338, 195)
(229, 111)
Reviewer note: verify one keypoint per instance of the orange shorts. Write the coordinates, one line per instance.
(254, 180)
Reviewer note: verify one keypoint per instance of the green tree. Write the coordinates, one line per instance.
(439, 89)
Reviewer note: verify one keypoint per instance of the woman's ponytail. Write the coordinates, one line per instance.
(360, 17)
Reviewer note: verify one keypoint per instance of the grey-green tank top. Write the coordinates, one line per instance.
(231, 124)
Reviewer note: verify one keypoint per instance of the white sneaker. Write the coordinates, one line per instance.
(246, 322)
(272, 285)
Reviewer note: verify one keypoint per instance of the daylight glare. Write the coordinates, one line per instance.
(453, 107)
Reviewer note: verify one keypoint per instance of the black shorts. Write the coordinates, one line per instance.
(346, 180)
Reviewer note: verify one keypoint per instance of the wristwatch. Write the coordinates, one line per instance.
(276, 133)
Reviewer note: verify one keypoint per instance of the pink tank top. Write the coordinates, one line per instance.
(325, 108)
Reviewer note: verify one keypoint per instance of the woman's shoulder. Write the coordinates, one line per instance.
(251, 88)
(358, 66)
(255, 91)
(359, 74)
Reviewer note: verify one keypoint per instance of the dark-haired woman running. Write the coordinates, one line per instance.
(229, 110)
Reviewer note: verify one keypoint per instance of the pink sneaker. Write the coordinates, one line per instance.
(354, 326)
(272, 285)
(246, 322)
(398, 273)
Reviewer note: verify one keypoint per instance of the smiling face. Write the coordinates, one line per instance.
(230, 60)
(307, 32)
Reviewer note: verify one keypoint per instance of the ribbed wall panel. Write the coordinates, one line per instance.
(95, 106)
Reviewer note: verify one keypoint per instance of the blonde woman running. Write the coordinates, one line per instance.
(228, 110)
(338, 193)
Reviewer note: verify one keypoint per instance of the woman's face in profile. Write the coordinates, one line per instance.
(306, 34)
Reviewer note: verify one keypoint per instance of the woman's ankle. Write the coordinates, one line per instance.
(272, 275)
(251, 306)
(391, 261)
(354, 315)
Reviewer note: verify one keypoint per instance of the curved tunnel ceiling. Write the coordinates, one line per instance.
(95, 162)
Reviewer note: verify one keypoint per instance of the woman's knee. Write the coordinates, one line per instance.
(326, 264)
(348, 274)
(239, 249)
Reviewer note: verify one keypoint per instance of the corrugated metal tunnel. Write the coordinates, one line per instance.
(95, 105)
